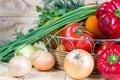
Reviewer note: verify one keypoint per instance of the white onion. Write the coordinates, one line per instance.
(25, 50)
(41, 45)
(19, 66)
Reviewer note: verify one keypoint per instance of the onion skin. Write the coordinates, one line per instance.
(25, 50)
(19, 66)
(78, 67)
(40, 45)
(43, 60)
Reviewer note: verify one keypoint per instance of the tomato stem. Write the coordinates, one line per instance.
(112, 59)
(79, 31)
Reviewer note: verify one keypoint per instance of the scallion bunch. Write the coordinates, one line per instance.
(79, 14)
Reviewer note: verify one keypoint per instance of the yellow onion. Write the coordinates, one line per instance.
(19, 66)
(78, 64)
(41, 46)
(43, 60)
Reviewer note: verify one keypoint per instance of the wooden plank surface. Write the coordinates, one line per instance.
(54, 74)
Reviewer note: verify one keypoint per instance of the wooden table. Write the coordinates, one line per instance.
(54, 74)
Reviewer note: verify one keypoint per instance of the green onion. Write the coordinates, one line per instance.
(30, 38)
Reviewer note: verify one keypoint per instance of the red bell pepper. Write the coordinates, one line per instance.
(109, 63)
(108, 15)
(77, 38)
(103, 46)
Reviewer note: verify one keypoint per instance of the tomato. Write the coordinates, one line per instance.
(60, 48)
(76, 37)
(104, 46)
(92, 26)
(51, 20)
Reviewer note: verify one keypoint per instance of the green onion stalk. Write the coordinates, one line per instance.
(76, 15)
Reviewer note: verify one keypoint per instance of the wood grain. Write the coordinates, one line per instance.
(53, 74)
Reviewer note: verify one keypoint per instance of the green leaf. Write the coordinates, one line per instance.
(38, 8)
(59, 8)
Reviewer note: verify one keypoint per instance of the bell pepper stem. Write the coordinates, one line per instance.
(117, 13)
(112, 59)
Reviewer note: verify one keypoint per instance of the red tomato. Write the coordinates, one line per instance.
(77, 37)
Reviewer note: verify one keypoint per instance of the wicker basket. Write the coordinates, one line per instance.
(60, 55)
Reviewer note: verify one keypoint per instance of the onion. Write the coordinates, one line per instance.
(43, 60)
(19, 66)
(78, 64)
(40, 45)
(25, 50)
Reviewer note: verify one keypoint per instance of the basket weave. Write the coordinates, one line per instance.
(60, 55)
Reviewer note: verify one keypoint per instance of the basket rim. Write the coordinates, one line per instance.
(96, 41)
(55, 36)
(66, 52)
